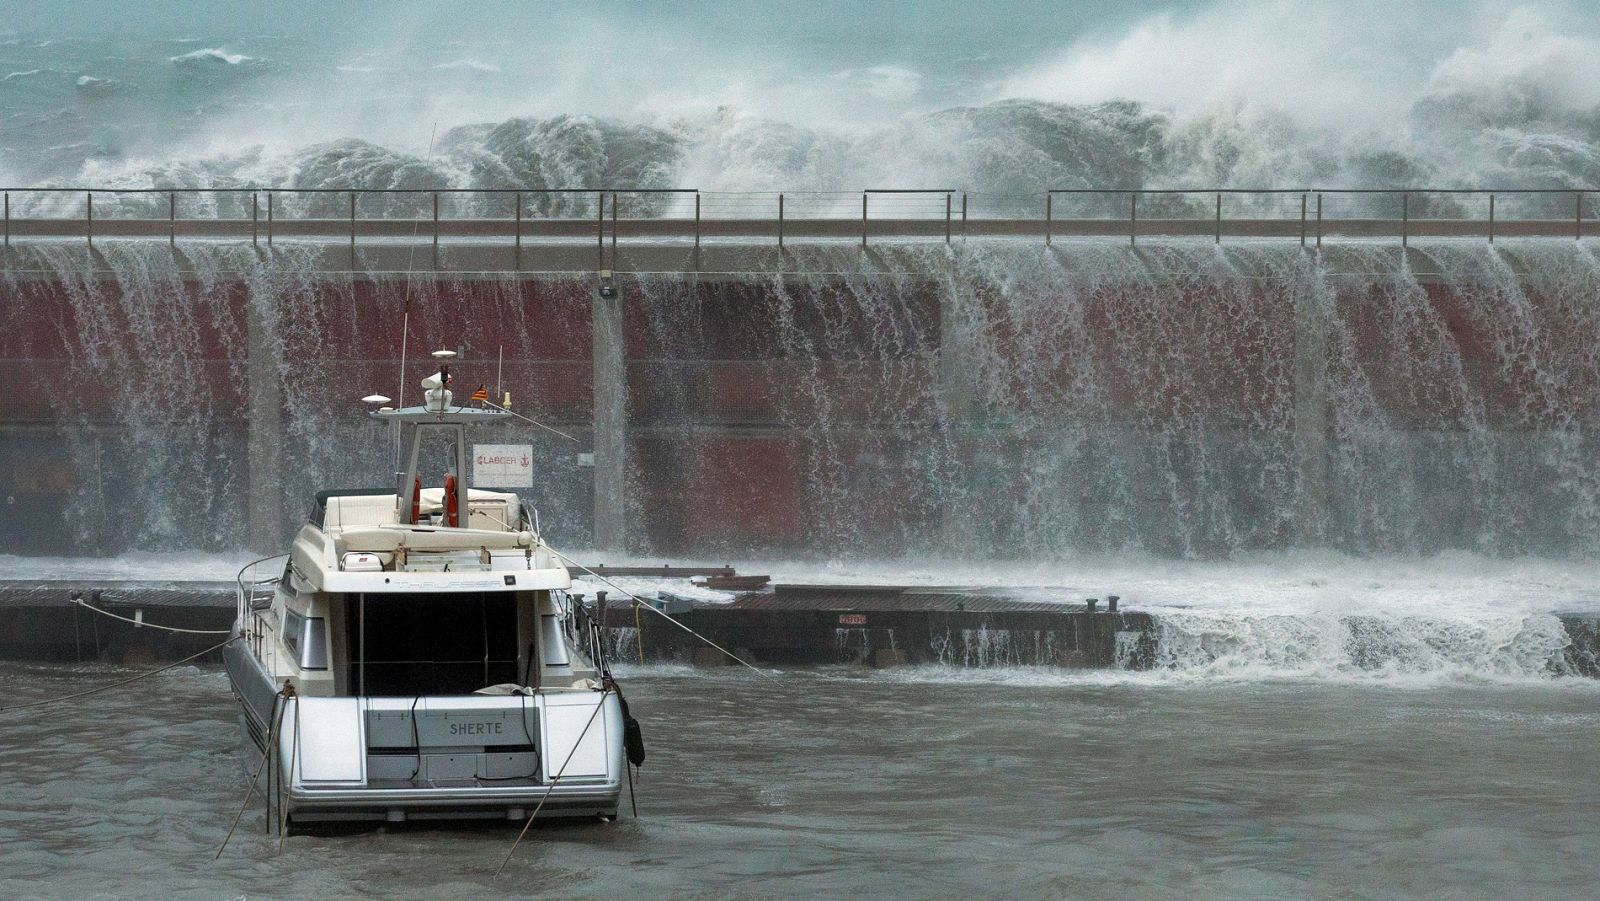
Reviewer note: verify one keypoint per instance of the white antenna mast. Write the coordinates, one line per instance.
(405, 321)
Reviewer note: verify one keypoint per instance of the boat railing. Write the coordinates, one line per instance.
(255, 585)
(263, 638)
(583, 630)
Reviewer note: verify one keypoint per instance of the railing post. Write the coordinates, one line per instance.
(963, 215)
(8, 218)
(255, 216)
(947, 204)
(1319, 220)
(1302, 220)
(613, 229)
(269, 218)
(352, 229)
(1405, 218)
(1219, 220)
(172, 219)
(1577, 218)
(780, 221)
(88, 230)
(1048, 215)
(863, 220)
(600, 231)
(518, 239)
(1491, 218)
(1133, 219)
(436, 229)
(697, 221)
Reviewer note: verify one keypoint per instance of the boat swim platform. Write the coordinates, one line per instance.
(791, 625)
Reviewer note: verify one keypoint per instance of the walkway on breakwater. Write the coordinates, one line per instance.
(584, 229)
(870, 625)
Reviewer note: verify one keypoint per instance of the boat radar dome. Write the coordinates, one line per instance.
(444, 355)
(437, 396)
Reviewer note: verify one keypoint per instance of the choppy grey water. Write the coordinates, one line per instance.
(916, 783)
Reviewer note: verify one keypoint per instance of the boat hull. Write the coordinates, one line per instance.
(431, 756)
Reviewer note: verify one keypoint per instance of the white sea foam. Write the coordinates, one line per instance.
(468, 64)
(212, 54)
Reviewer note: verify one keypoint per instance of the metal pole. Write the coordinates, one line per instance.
(436, 235)
(1219, 220)
(1302, 220)
(947, 202)
(863, 220)
(1491, 218)
(269, 218)
(1577, 218)
(172, 219)
(255, 216)
(600, 231)
(519, 225)
(780, 221)
(1048, 215)
(1319, 220)
(963, 214)
(1133, 219)
(8, 218)
(352, 229)
(613, 228)
(89, 220)
(1405, 218)
(697, 220)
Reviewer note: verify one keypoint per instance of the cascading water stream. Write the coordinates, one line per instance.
(988, 400)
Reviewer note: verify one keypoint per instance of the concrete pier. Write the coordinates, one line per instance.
(792, 625)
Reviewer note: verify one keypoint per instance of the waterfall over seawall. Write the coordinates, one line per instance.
(990, 399)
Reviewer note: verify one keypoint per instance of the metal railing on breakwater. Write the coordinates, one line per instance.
(602, 215)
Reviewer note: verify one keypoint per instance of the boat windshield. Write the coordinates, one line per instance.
(430, 644)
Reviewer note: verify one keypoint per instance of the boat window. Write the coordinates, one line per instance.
(293, 626)
(315, 653)
(552, 641)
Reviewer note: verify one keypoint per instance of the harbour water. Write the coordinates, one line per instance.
(923, 782)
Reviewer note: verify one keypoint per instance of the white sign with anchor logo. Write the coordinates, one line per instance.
(502, 465)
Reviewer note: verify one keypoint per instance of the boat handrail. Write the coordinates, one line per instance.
(246, 594)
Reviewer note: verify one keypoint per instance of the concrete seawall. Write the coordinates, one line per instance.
(741, 398)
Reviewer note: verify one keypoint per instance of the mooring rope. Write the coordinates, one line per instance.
(554, 782)
(639, 603)
(266, 755)
(142, 624)
(84, 694)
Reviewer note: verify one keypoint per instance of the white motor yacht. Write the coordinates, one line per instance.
(418, 654)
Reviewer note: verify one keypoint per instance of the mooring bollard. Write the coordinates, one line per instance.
(1111, 603)
(1090, 603)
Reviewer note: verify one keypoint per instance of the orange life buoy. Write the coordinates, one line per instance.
(452, 510)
